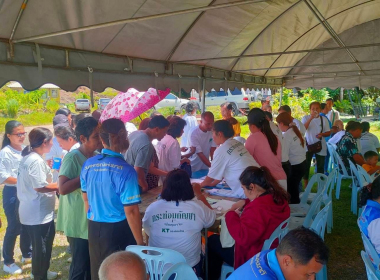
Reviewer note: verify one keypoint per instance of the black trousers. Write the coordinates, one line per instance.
(14, 228)
(80, 268)
(105, 239)
(217, 255)
(42, 237)
(320, 164)
(288, 169)
(298, 171)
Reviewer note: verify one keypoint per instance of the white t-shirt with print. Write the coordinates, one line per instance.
(35, 208)
(369, 142)
(230, 160)
(9, 162)
(314, 129)
(203, 142)
(293, 147)
(191, 122)
(275, 129)
(178, 226)
(169, 153)
(300, 127)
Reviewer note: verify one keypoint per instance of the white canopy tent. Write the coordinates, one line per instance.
(190, 44)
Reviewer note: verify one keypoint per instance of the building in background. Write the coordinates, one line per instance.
(52, 92)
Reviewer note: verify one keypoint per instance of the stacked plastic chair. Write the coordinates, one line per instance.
(371, 272)
(180, 271)
(358, 183)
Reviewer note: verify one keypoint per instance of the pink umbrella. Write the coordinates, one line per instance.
(128, 105)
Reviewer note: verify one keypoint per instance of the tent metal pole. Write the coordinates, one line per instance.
(281, 92)
(22, 8)
(137, 19)
(203, 95)
(279, 53)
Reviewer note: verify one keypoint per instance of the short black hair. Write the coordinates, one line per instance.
(365, 126)
(285, 108)
(370, 154)
(330, 99)
(207, 114)
(80, 116)
(268, 115)
(323, 106)
(64, 132)
(227, 104)
(63, 111)
(302, 244)
(372, 191)
(177, 186)
(158, 121)
(85, 127)
(155, 113)
(176, 126)
(225, 127)
(353, 126)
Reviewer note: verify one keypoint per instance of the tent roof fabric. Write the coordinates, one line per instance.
(157, 49)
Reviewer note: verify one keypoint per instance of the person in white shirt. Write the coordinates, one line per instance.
(368, 141)
(176, 220)
(332, 114)
(230, 159)
(191, 122)
(168, 149)
(202, 144)
(294, 147)
(317, 128)
(66, 137)
(36, 193)
(130, 127)
(337, 132)
(10, 157)
(299, 124)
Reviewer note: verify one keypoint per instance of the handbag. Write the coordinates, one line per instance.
(187, 167)
(316, 147)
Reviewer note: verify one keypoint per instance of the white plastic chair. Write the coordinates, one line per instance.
(342, 173)
(181, 271)
(278, 234)
(357, 184)
(319, 225)
(301, 209)
(368, 178)
(156, 259)
(371, 272)
(327, 197)
(372, 253)
(295, 222)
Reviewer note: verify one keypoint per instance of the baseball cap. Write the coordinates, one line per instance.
(60, 120)
(256, 116)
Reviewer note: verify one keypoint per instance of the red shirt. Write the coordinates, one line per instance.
(258, 221)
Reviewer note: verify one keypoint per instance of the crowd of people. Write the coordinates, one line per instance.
(98, 171)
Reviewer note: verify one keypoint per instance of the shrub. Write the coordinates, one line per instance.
(12, 107)
(343, 106)
(52, 106)
(216, 111)
(255, 104)
(166, 111)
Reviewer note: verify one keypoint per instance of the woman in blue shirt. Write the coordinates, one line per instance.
(111, 194)
(369, 221)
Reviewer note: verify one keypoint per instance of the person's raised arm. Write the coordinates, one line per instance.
(141, 177)
(358, 158)
(203, 158)
(52, 187)
(210, 182)
(67, 185)
(198, 193)
(134, 220)
(307, 123)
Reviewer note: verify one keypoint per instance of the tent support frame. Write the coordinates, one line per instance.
(19, 15)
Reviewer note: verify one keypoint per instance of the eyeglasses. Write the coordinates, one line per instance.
(20, 134)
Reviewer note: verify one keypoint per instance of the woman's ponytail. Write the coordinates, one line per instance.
(272, 138)
(26, 151)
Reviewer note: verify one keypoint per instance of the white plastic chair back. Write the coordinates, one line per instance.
(357, 184)
(371, 272)
(180, 271)
(278, 234)
(319, 179)
(320, 221)
(156, 259)
(313, 211)
(371, 251)
(367, 178)
(341, 167)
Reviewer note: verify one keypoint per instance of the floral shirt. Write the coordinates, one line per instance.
(346, 148)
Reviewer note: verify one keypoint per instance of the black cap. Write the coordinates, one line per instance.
(256, 116)
(61, 120)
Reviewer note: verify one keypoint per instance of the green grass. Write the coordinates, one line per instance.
(344, 243)
(32, 119)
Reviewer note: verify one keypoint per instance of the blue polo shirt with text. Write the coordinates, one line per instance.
(110, 183)
(263, 265)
